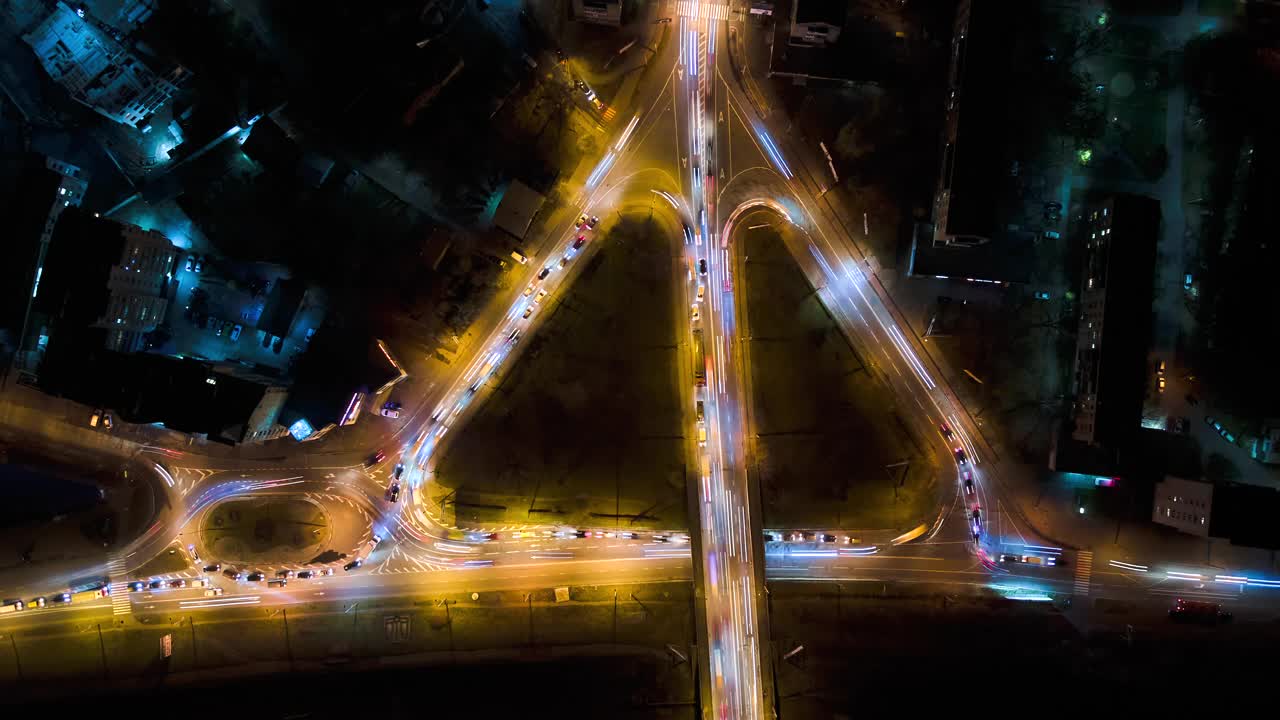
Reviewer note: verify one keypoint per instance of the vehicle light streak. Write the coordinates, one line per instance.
(626, 134)
(601, 169)
(1172, 575)
(1128, 566)
(774, 155)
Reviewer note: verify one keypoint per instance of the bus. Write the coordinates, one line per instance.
(699, 360)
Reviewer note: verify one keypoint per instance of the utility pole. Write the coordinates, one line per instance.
(103, 648)
(288, 646)
(448, 620)
(17, 661)
(615, 617)
(195, 654)
(529, 598)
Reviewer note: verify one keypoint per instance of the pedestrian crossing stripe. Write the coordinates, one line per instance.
(703, 10)
(120, 604)
(1084, 571)
(609, 113)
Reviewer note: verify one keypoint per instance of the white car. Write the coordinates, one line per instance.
(390, 412)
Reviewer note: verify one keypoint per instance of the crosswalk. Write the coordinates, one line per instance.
(1084, 570)
(120, 604)
(702, 10)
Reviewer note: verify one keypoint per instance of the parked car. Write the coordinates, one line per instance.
(235, 333)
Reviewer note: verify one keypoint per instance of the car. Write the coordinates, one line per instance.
(324, 571)
(375, 540)
(235, 333)
(213, 592)
(137, 586)
(393, 493)
(1187, 280)
(94, 419)
(277, 582)
(519, 257)
(564, 261)
(1007, 558)
(266, 339)
(961, 458)
(1041, 295)
(593, 221)
(38, 602)
(975, 523)
(1195, 611)
(968, 482)
(702, 267)
(702, 435)
(688, 235)
(528, 291)
(199, 266)
(353, 565)
(277, 345)
(62, 597)
(702, 291)
(1160, 368)
(826, 538)
(389, 413)
(1051, 235)
(216, 567)
(1160, 384)
(198, 583)
(581, 221)
(771, 536)
(582, 240)
(375, 458)
(256, 576)
(191, 550)
(697, 313)
(305, 574)
(527, 312)
(515, 335)
(233, 574)
(544, 273)
(945, 429)
(661, 539)
(541, 294)
(156, 584)
(107, 422)
(285, 573)
(178, 583)
(398, 471)
(191, 262)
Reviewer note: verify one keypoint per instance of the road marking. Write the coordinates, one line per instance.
(1084, 570)
(703, 10)
(120, 604)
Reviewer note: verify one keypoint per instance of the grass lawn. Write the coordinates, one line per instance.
(646, 617)
(586, 426)
(827, 430)
(173, 559)
(265, 530)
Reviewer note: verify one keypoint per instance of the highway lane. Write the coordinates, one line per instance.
(727, 563)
